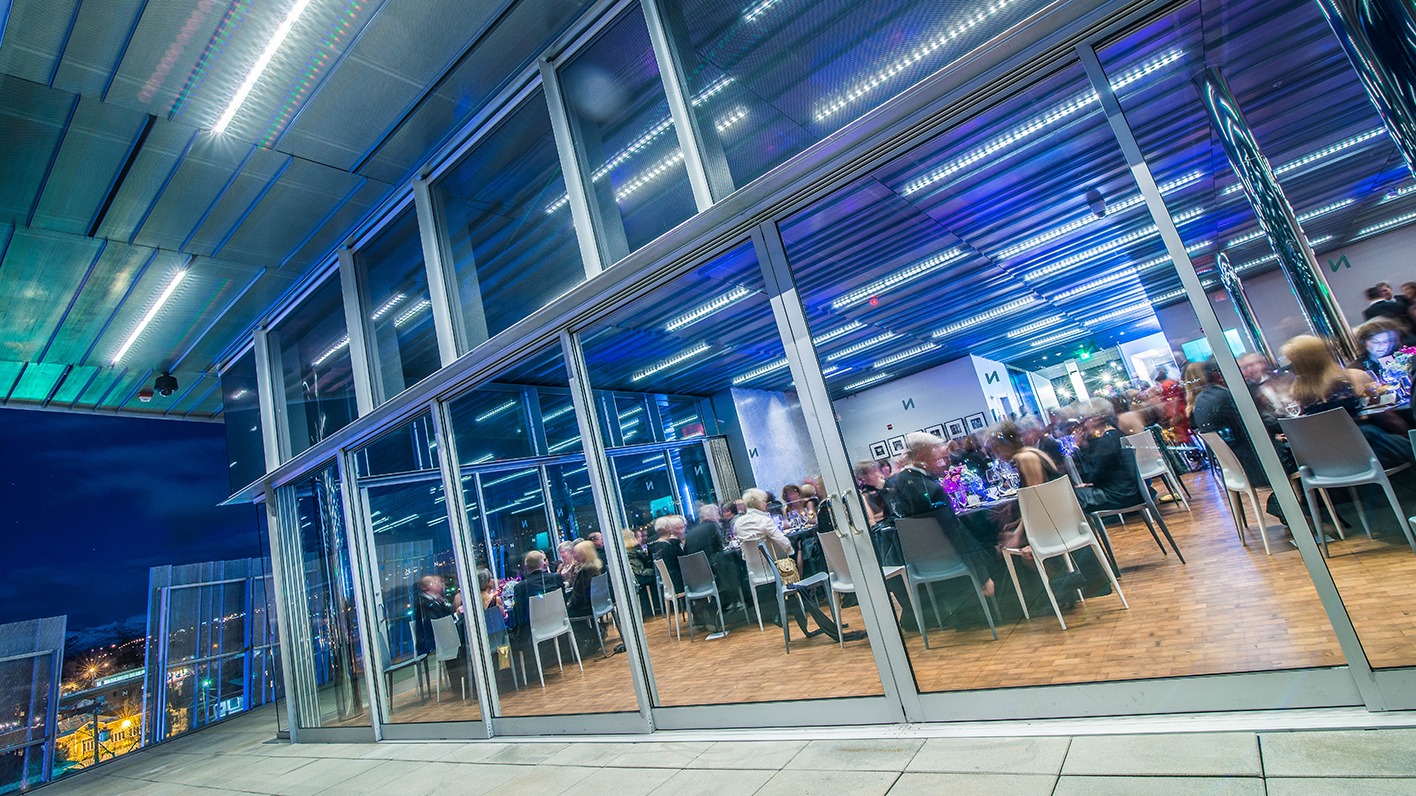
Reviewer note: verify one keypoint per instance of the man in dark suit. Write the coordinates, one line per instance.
(537, 581)
(706, 537)
(1382, 303)
(431, 603)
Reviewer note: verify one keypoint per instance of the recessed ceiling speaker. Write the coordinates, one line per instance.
(1096, 202)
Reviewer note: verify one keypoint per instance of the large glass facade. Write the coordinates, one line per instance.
(633, 167)
(313, 372)
(240, 403)
(509, 238)
(393, 293)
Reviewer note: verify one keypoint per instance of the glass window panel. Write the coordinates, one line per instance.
(393, 284)
(333, 651)
(711, 349)
(929, 285)
(682, 417)
(621, 124)
(1344, 179)
(768, 78)
(241, 407)
(311, 353)
(509, 236)
(522, 498)
(418, 577)
(632, 418)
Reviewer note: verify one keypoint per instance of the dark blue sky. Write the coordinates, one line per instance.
(89, 503)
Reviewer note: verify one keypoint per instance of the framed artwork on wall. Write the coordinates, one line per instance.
(977, 422)
(880, 450)
(956, 429)
(937, 430)
(897, 445)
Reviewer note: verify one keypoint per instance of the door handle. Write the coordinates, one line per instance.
(850, 515)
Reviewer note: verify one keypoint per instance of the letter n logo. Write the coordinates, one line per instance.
(991, 378)
(1340, 262)
(908, 404)
(752, 454)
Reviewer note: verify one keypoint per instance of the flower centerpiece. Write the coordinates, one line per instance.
(953, 483)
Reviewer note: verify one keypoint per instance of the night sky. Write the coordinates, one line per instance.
(89, 503)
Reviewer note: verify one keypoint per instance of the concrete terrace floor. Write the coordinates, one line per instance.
(241, 756)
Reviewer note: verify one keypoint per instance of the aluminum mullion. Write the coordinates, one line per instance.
(365, 397)
(359, 573)
(1229, 366)
(270, 382)
(284, 626)
(445, 296)
(680, 111)
(887, 647)
(625, 593)
(576, 188)
(465, 559)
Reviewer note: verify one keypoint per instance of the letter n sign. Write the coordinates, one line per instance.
(752, 454)
(991, 378)
(1340, 262)
(908, 404)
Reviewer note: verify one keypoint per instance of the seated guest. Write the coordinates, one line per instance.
(668, 546)
(578, 605)
(565, 561)
(915, 491)
(538, 580)
(870, 480)
(1109, 479)
(1379, 339)
(493, 610)
(704, 538)
(727, 513)
(597, 539)
(1034, 434)
(756, 525)
(430, 603)
(1215, 410)
(641, 566)
(1321, 384)
(1034, 466)
(970, 455)
(1271, 392)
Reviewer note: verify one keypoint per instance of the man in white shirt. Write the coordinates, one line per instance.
(756, 525)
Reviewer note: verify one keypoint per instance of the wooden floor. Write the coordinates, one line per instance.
(1231, 608)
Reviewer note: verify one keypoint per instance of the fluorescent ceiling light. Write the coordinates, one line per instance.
(331, 351)
(151, 313)
(984, 317)
(901, 356)
(561, 412)
(1383, 226)
(563, 444)
(1107, 247)
(879, 339)
(494, 411)
(411, 313)
(1321, 240)
(902, 64)
(1255, 263)
(866, 382)
(1096, 284)
(1114, 314)
(1056, 338)
(1165, 258)
(756, 12)
(1024, 331)
(704, 310)
(897, 278)
(261, 63)
(758, 372)
(1167, 296)
(1111, 211)
(665, 364)
(1316, 155)
(1302, 218)
(1038, 123)
(842, 331)
(387, 306)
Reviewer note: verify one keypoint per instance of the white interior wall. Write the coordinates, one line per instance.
(947, 392)
(770, 440)
(998, 393)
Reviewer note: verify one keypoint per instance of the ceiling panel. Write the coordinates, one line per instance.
(32, 119)
(117, 268)
(99, 139)
(282, 219)
(100, 387)
(74, 384)
(245, 309)
(236, 200)
(153, 165)
(99, 35)
(40, 272)
(198, 183)
(34, 36)
(38, 382)
(315, 247)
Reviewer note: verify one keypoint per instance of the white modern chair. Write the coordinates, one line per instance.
(760, 567)
(1236, 487)
(698, 584)
(840, 569)
(1151, 462)
(602, 604)
(760, 572)
(669, 598)
(446, 647)
(931, 558)
(1332, 453)
(1055, 527)
(550, 621)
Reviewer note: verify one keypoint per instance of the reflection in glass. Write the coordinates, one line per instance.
(421, 597)
(510, 241)
(707, 339)
(1350, 189)
(620, 118)
(245, 450)
(310, 350)
(526, 489)
(393, 285)
(937, 284)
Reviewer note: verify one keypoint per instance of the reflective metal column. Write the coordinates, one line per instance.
(1380, 39)
(1232, 284)
(1275, 214)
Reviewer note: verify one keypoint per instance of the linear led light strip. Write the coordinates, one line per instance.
(1165, 258)
(1316, 155)
(561, 412)
(277, 38)
(759, 372)
(150, 314)
(1392, 196)
(902, 64)
(866, 382)
(676, 359)
(1029, 128)
(899, 277)
(704, 310)
(1097, 284)
(634, 410)
(331, 351)
(387, 306)
(1056, 338)
(1119, 207)
(901, 356)
(560, 446)
(494, 411)
(1383, 226)
(1114, 314)
(776, 365)
(412, 312)
(756, 12)
(1035, 326)
(1308, 216)
(649, 175)
(1114, 243)
(879, 339)
(984, 317)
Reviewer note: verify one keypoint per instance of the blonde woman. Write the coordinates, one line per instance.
(589, 565)
(1319, 382)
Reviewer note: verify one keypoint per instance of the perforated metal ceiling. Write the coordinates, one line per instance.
(110, 181)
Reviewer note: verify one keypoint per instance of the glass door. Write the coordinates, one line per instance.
(703, 355)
